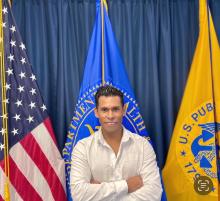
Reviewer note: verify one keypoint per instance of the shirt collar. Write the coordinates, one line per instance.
(125, 137)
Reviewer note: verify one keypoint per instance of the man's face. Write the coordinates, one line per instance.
(110, 113)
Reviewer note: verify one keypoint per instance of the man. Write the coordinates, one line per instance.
(114, 164)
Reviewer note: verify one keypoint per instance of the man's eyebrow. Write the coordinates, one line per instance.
(114, 107)
(104, 107)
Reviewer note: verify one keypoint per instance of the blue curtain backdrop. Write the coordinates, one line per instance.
(157, 40)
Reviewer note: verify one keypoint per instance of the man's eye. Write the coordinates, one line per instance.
(104, 109)
(115, 109)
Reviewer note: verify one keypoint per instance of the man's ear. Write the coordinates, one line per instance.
(96, 112)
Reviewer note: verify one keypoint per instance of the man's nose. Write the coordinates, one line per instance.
(110, 114)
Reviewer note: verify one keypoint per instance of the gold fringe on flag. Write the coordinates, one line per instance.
(4, 110)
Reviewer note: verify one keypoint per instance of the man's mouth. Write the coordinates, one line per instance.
(111, 123)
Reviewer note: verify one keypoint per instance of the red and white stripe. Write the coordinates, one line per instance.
(36, 168)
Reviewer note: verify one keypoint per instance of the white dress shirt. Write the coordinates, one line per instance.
(93, 158)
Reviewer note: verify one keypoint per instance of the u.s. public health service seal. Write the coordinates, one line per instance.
(196, 149)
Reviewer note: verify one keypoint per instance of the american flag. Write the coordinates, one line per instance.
(36, 166)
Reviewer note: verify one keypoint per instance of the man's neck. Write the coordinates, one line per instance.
(113, 139)
(114, 136)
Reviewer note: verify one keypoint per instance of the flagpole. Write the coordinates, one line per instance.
(213, 91)
(10, 2)
(4, 110)
(103, 44)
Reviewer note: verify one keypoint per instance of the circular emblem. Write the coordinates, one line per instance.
(196, 149)
(84, 123)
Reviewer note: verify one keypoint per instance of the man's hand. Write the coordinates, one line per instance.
(93, 181)
(134, 183)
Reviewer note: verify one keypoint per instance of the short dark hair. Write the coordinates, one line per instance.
(108, 90)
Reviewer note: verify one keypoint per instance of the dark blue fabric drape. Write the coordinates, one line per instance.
(157, 40)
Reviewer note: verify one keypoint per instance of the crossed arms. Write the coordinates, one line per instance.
(143, 187)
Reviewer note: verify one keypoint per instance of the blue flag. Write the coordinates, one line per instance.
(97, 72)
